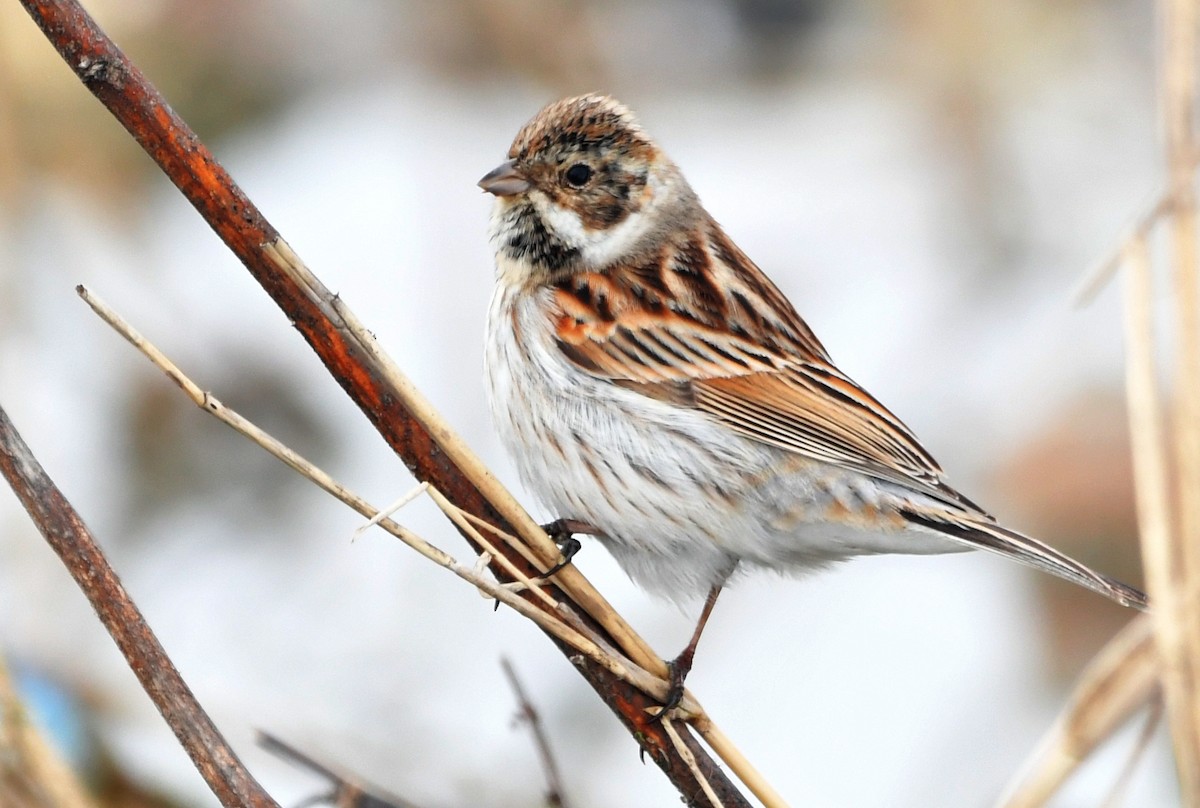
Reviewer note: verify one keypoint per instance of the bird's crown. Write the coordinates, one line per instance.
(585, 123)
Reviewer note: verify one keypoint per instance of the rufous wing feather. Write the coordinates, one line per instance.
(718, 336)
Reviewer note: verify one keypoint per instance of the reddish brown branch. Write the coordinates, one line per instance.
(123, 90)
(73, 542)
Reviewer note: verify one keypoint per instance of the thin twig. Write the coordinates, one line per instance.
(555, 793)
(403, 418)
(520, 579)
(574, 633)
(516, 520)
(732, 757)
(701, 776)
(74, 544)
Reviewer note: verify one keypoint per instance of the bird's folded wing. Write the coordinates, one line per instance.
(800, 404)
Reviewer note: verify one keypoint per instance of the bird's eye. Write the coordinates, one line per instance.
(578, 175)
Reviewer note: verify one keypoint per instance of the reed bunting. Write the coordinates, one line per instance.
(658, 391)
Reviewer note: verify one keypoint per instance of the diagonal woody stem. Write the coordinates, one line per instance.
(426, 446)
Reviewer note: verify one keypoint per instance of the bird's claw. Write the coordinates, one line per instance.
(676, 674)
(560, 531)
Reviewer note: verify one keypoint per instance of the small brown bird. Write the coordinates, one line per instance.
(658, 391)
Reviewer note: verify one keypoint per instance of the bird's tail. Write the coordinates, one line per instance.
(989, 536)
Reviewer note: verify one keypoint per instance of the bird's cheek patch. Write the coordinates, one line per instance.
(599, 209)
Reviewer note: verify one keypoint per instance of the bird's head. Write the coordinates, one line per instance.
(584, 188)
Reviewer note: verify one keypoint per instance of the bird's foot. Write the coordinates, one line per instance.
(677, 671)
(562, 531)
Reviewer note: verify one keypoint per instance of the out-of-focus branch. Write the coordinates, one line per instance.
(348, 791)
(396, 409)
(559, 622)
(74, 544)
(528, 714)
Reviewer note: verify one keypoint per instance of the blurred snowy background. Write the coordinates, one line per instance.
(925, 180)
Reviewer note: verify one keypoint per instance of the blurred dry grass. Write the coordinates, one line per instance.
(1163, 646)
(32, 774)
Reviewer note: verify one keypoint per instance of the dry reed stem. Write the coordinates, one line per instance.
(725, 749)
(570, 579)
(1122, 678)
(1181, 640)
(572, 632)
(1175, 584)
(458, 517)
(1161, 554)
(317, 315)
(1167, 469)
(690, 759)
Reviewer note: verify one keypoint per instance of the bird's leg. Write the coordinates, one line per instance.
(679, 667)
(562, 532)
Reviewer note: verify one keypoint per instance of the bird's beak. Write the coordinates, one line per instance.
(505, 180)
